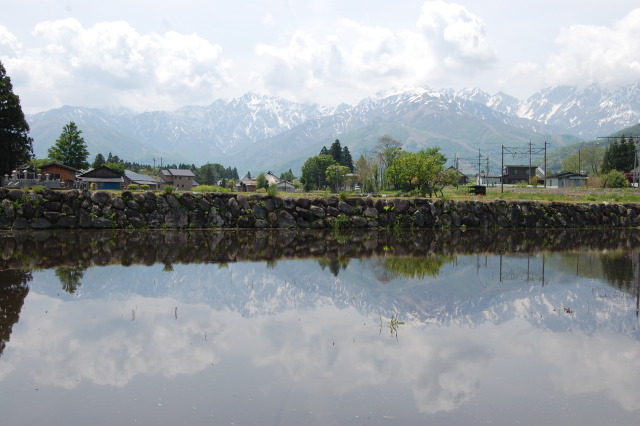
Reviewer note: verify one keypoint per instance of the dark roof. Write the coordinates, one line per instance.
(567, 174)
(73, 169)
(178, 172)
(137, 176)
(101, 172)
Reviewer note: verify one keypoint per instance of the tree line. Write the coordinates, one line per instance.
(386, 166)
(608, 164)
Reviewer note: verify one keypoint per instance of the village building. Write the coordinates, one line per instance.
(522, 173)
(100, 178)
(566, 180)
(56, 171)
(133, 178)
(281, 184)
(489, 179)
(180, 179)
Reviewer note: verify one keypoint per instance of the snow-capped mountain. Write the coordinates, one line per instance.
(587, 113)
(256, 132)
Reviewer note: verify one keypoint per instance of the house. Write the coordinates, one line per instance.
(489, 179)
(281, 184)
(462, 178)
(633, 176)
(56, 171)
(246, 184)
(133, 178)
(180, 179)
(566, 180)
(518, 173)
(101, 178)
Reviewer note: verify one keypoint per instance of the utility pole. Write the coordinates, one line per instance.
(530, 162)
(479, 159)
(545, 165)
(501, 180)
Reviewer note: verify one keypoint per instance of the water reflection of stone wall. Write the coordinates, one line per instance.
(75, 209)
(72, 249)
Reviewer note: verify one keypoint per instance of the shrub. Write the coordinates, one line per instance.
(133, 187)
(594, 181)
(210, 188)
(144, 187)
(272, 190)
(168, 189)
(343, 196)
(38, 189)
(614, 179)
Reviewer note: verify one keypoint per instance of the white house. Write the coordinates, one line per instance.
(566, 180)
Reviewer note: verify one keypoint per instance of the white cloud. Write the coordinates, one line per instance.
(607, 56)
(589, 54)
(9, 44)
(353, 57)
(455, 34)
(112, 63)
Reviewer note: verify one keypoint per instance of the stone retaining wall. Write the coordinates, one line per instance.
(75, 209)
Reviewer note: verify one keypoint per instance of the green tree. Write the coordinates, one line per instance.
(336, 151)
(98, 161)
(261, 181)
(116, 167)
(588, 159)
(70, 148)
(346, 159)
(385, 151)
(417, 171)
(336, 175)
(16, 147)
(314, 171)
(288, 176)
(366, 169)
(619, 155)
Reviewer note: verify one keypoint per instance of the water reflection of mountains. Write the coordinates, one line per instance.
(45, 249)
(460, 278)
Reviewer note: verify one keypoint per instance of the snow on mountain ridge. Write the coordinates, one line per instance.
(235, 126)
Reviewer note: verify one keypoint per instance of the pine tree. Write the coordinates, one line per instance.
(336, 151)
(99, 161)
(16, 147)
(346, 159)
(70, 148)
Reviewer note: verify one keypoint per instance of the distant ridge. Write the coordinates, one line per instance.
(259, 133)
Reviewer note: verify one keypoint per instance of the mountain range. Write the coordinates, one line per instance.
(258, 133)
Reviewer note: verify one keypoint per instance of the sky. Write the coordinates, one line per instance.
(161, 55)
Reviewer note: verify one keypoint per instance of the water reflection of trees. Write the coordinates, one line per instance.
(409, 253)
(82, 249)
(13, 291)
(621, 270)
(390, 268)
(70, 278)
(334, 265)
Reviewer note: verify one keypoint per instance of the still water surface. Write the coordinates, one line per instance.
(394, 334)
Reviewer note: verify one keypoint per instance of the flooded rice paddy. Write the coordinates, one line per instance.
(293, 328)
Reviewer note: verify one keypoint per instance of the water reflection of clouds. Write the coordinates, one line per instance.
(101, 341)
(588, 364)
(442, 367)
(323, 350)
